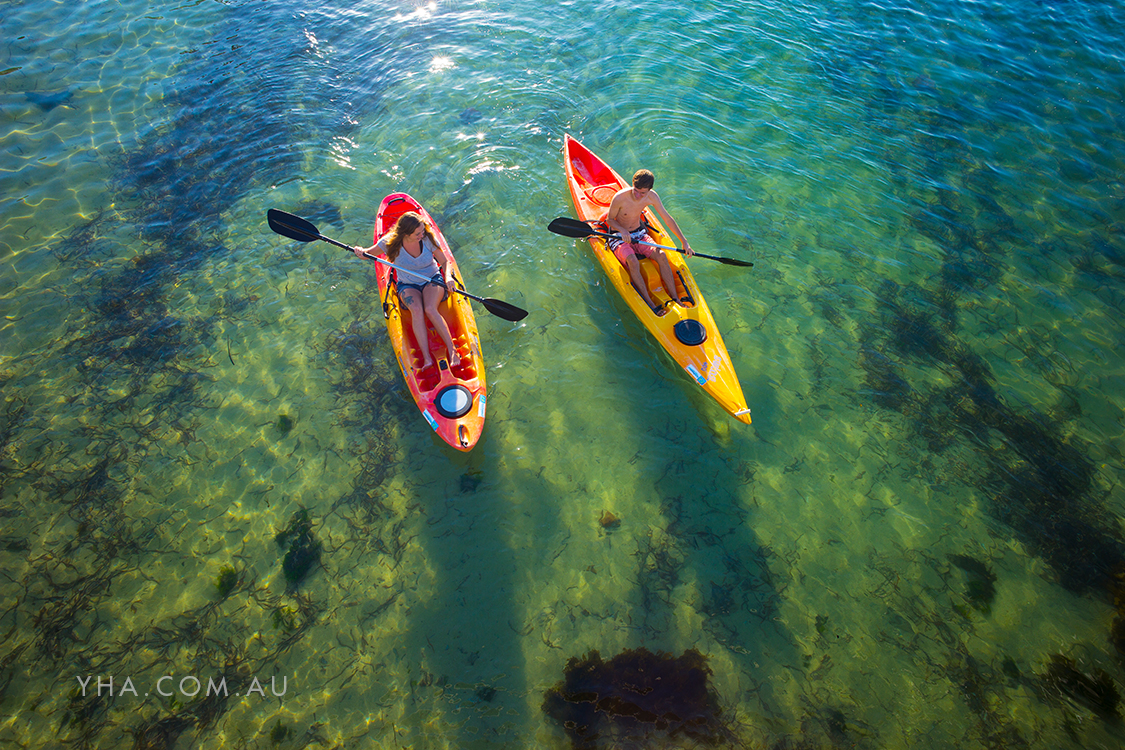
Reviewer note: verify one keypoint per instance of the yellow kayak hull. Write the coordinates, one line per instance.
(592, 185)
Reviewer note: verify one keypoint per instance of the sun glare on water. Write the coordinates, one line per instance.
(421, 11)
(440, 63)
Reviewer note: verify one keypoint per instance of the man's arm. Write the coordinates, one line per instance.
(611, 217)
(654, 200)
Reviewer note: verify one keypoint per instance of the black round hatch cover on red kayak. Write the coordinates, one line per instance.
(454, 401)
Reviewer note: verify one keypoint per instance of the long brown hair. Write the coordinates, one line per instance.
(406, 225)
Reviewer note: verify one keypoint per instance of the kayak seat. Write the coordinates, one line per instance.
(601, 194)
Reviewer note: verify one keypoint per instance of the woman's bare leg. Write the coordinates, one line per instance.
(433, 295)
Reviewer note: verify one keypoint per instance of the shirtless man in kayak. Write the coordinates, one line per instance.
(624, 217)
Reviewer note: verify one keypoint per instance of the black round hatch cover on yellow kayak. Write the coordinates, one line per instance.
(690, 332)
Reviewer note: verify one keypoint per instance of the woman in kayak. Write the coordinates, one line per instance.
(625, 217)
(411, 245)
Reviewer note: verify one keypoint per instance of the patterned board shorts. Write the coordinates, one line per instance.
(639, 235)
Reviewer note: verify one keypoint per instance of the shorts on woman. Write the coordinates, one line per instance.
(437, 279)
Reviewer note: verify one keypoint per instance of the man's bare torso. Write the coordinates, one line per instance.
(626, 207)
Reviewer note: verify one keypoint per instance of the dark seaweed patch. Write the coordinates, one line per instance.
(659, 563)
(14, 544)
(302, 548)
(963, 272)
(320, 212)
(1117, 628)
(911, 318)
(981, 690)
(13, 417)
(199, 159)
(1040, 486)
(284, 424)
(980, 582)
(279, 733)
(1039, 483)
(1117, 634)
(300, 558)
(1095, 690)
(636, 693)
(138, 345)
(226, 581)
(160, 732)
(471, 479)
(836, 726)
(884, 380)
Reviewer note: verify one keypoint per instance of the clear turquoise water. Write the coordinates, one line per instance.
(925, 516)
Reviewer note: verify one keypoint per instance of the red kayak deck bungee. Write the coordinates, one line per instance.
(687, 333)
(452, 399)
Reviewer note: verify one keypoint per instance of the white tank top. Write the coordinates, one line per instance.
(424, 264)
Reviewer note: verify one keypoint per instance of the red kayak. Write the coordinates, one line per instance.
(451, 398)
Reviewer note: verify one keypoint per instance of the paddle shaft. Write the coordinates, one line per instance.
(607, 235)
(377, 259)
(653, 244)
(574, 228)
(296, 228)
(400, 269)
(496, 307)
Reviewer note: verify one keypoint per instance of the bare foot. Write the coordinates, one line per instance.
(454, 359)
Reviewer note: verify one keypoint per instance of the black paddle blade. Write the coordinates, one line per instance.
(728, 261)
(570, 227)
(293, 227)
(502, 309)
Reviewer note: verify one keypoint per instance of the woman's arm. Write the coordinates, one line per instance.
(443, 266)
(376, 249)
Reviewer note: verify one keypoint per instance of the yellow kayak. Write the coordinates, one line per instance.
(687, 333)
